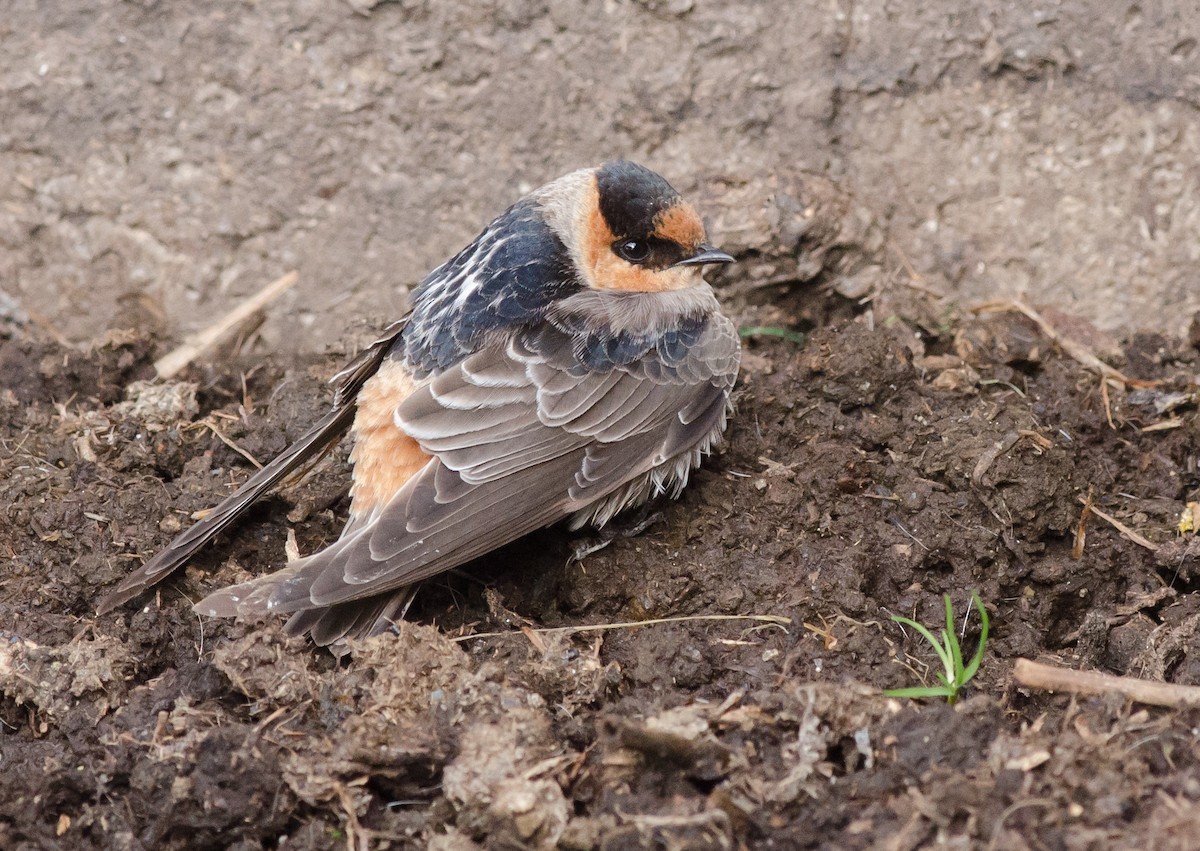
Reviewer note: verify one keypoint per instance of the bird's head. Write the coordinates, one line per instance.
(628, 229)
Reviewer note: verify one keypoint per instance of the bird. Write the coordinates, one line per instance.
(568, 364)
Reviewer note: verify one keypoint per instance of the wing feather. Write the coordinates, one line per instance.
(520, 437)
(316, 441)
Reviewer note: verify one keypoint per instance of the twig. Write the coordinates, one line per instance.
(169, 365)
(1125, 531)
(1081, 527)
(915, 280)
(990, 455)
(780, 620)
(1036, 675)
(823, 632)
(1174, 422)
(356, 838)
(49, 327)
(228, 441)
(1073, 349)
(715, 818)
(1107, 402)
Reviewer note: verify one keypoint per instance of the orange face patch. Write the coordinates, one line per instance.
(613, 273)
(384, 457)
(680, 224)
(597, 235)
(605, 270)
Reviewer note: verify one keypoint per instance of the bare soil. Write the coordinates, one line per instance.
(162, 160)
(897, 455)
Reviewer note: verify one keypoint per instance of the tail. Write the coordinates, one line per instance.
(313, 444)
(328, 626)
(331, 627)
(319, 438)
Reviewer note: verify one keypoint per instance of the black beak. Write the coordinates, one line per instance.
(706, 255)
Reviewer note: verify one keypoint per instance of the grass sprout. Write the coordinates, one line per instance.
(954, 675)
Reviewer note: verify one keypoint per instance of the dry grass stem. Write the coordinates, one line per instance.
(1165, 425)
(778, 620)
(1125, 531)
(1107, 402)
(170, 364)
(228, 441)
(1073, 349)
(1081, 527)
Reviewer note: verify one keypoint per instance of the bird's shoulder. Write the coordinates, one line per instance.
(510, 274)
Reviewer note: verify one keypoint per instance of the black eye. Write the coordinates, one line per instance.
(633, 250)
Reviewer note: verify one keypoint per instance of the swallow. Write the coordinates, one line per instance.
(568, 364)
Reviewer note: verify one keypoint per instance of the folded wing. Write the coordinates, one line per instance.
(520, 436)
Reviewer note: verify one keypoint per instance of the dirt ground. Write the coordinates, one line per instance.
(160, 161)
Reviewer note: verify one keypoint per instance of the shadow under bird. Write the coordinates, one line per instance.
(570, 362)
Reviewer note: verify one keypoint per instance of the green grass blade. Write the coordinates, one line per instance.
(973, 668)
(953, 655)
(919, 691)
(949, 652)
(954, 673)
(942, 653)
(924, 633)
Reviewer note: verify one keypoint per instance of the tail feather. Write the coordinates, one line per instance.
(316, 441)
(358, 619)
(329, 626)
